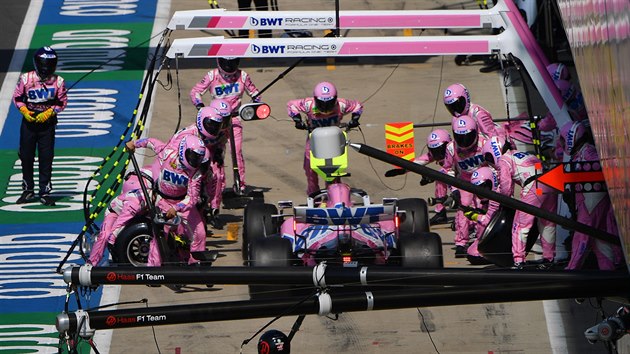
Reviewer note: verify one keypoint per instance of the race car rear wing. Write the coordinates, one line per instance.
(345, 215)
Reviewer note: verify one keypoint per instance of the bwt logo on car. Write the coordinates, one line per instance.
(351, 216)
(265, 21)
(268, 49)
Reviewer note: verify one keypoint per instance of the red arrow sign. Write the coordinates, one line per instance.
(557, 178)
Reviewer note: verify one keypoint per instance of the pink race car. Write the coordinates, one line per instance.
(339, 225)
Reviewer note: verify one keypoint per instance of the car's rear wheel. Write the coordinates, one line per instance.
(416, 215)
(270, 252)
(420, 250)
(257, 222)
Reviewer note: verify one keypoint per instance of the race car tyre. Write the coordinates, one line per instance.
(132, 244)
(420, 250)
(270, 252)
(416, 217)
(495, 243)
(257, 222)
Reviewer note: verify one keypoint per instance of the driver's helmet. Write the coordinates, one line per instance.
(485, 177)
(465, 132)
(132, 182)
(457, 99)
(228, 67)
(436, 143)
(493, 149)
(209, 123)
(274, 341)
(572, 136)
(325, 95)
(45, 62)
(192, 152)
(558, 71)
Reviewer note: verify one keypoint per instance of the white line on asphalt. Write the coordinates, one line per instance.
(21, 48)
(555, 327)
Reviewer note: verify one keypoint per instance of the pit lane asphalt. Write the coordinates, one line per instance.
(273, 151)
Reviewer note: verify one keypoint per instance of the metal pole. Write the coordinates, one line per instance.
(337, 25)
(448, 124)
(157, 232)
(324, 276)
(331, 303)
(533, 120)
(145, 192)
(485, 193)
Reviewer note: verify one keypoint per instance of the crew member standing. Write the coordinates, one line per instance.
(229, 83)
(260, 5)
(39, 95)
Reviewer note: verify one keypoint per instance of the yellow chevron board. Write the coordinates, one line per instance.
(399, 140)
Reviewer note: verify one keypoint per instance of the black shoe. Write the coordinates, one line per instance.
(175, 287)
(491, 66)
(460, 252)
(26, 197)
(439, 218)
(47, 200)
(545, 264)
(461, 60)
(214, 220)
(518, 265)
(477, 260)
(216, 223)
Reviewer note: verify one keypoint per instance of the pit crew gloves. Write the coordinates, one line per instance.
(44, 116)
(354, 122)
(471, 215)
(299, 124)
(28, 115)
(395, 172)
(425, 180)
